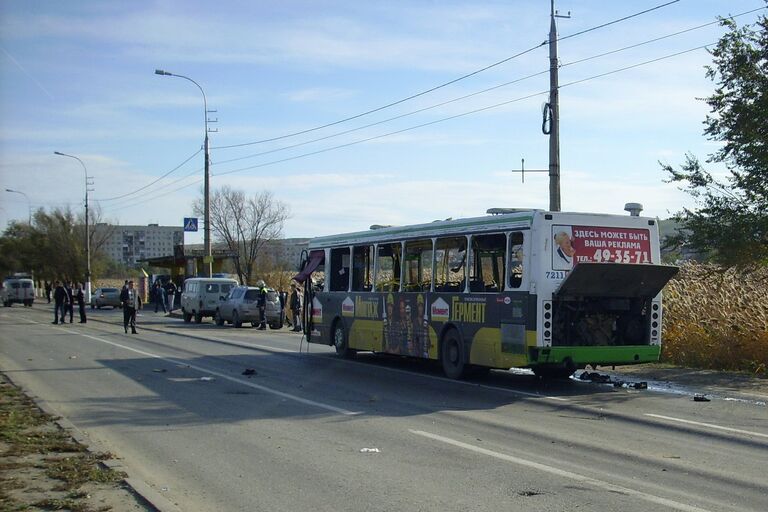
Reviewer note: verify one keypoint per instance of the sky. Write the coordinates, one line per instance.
(78, 77)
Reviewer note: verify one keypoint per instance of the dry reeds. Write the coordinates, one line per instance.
(717, 318)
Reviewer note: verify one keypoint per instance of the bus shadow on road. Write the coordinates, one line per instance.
(253, 386)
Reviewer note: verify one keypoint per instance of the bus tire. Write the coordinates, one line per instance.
(218, 319)
(198, 318)
(187, 316)
(236, 319)
(341, 342)
(452, 355)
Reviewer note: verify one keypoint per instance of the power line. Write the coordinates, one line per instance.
(152, 198)
(490, 107)
(498, 63)
(384, 106)
(617, 21)
(441, 104)
(153, 182)
(130, 202)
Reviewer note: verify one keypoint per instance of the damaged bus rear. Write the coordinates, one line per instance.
(597, 282)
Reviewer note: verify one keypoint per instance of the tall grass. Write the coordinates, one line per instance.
(717, 318)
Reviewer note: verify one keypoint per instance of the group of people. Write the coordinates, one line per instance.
(164, 295)
(294, 303)
(64, 301)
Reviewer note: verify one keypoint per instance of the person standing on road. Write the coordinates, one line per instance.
(131, 303)
(295, 303)
(70, 301)
(170, 291)
(59, 300)
(282, 296)
(159, 294)
(48, 291)
(262, 304)
(80, 298)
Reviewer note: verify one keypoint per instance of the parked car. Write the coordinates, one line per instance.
(18, 290)
(241, 306)
(202, 296)
(105, 297)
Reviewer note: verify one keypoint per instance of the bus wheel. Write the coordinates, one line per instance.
(198, 318)
(340, 341)
(236, 319)
(452, 355)
(187, 316)
(218, 319)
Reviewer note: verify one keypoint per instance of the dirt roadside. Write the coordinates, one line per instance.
(43, 467)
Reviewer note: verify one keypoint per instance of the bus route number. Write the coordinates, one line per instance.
(619, 256)
(558, 274)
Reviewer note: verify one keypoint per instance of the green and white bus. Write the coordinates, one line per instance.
(550, 291)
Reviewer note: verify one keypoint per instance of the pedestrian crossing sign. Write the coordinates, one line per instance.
(190, 223)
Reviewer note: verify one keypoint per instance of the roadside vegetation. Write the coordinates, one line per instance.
(42, 467)
(717, 318)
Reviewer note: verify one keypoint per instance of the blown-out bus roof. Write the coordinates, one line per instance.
(517, 220)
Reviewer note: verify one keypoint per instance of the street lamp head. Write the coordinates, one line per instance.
(9, 190)
(58, 153)
(161, 72)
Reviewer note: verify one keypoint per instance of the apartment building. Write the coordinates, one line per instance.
(130, 244)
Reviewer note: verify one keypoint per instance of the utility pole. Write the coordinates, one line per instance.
(551, 118)
(554, 114)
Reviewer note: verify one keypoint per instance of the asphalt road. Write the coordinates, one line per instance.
(309, 431)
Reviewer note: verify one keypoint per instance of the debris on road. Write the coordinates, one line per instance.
(370, 450)
(599, 378)
(249, 371)
(207, 379)
(595, 377)
(159, 370)
(700, 397)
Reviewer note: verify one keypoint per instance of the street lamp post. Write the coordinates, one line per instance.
(87, 231)
(29, 203)
(208, 260)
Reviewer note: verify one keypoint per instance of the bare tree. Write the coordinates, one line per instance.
(245, 224)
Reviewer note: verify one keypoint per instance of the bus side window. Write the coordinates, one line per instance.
(418, 266)
(515, 259)
(488, 260)
(450, 264)
(339, 269)
(388, 264)
(362, 268)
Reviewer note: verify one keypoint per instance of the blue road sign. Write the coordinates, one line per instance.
(190, 223)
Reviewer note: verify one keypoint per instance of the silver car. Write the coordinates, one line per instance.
(105, 297)
(241, 306)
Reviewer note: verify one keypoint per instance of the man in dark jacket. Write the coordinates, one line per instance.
(295, 305)
(261, 302)
(170, 291)
(80, 298)
(70, 301)
(59, 301)
(159, 296)
(131, 302)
